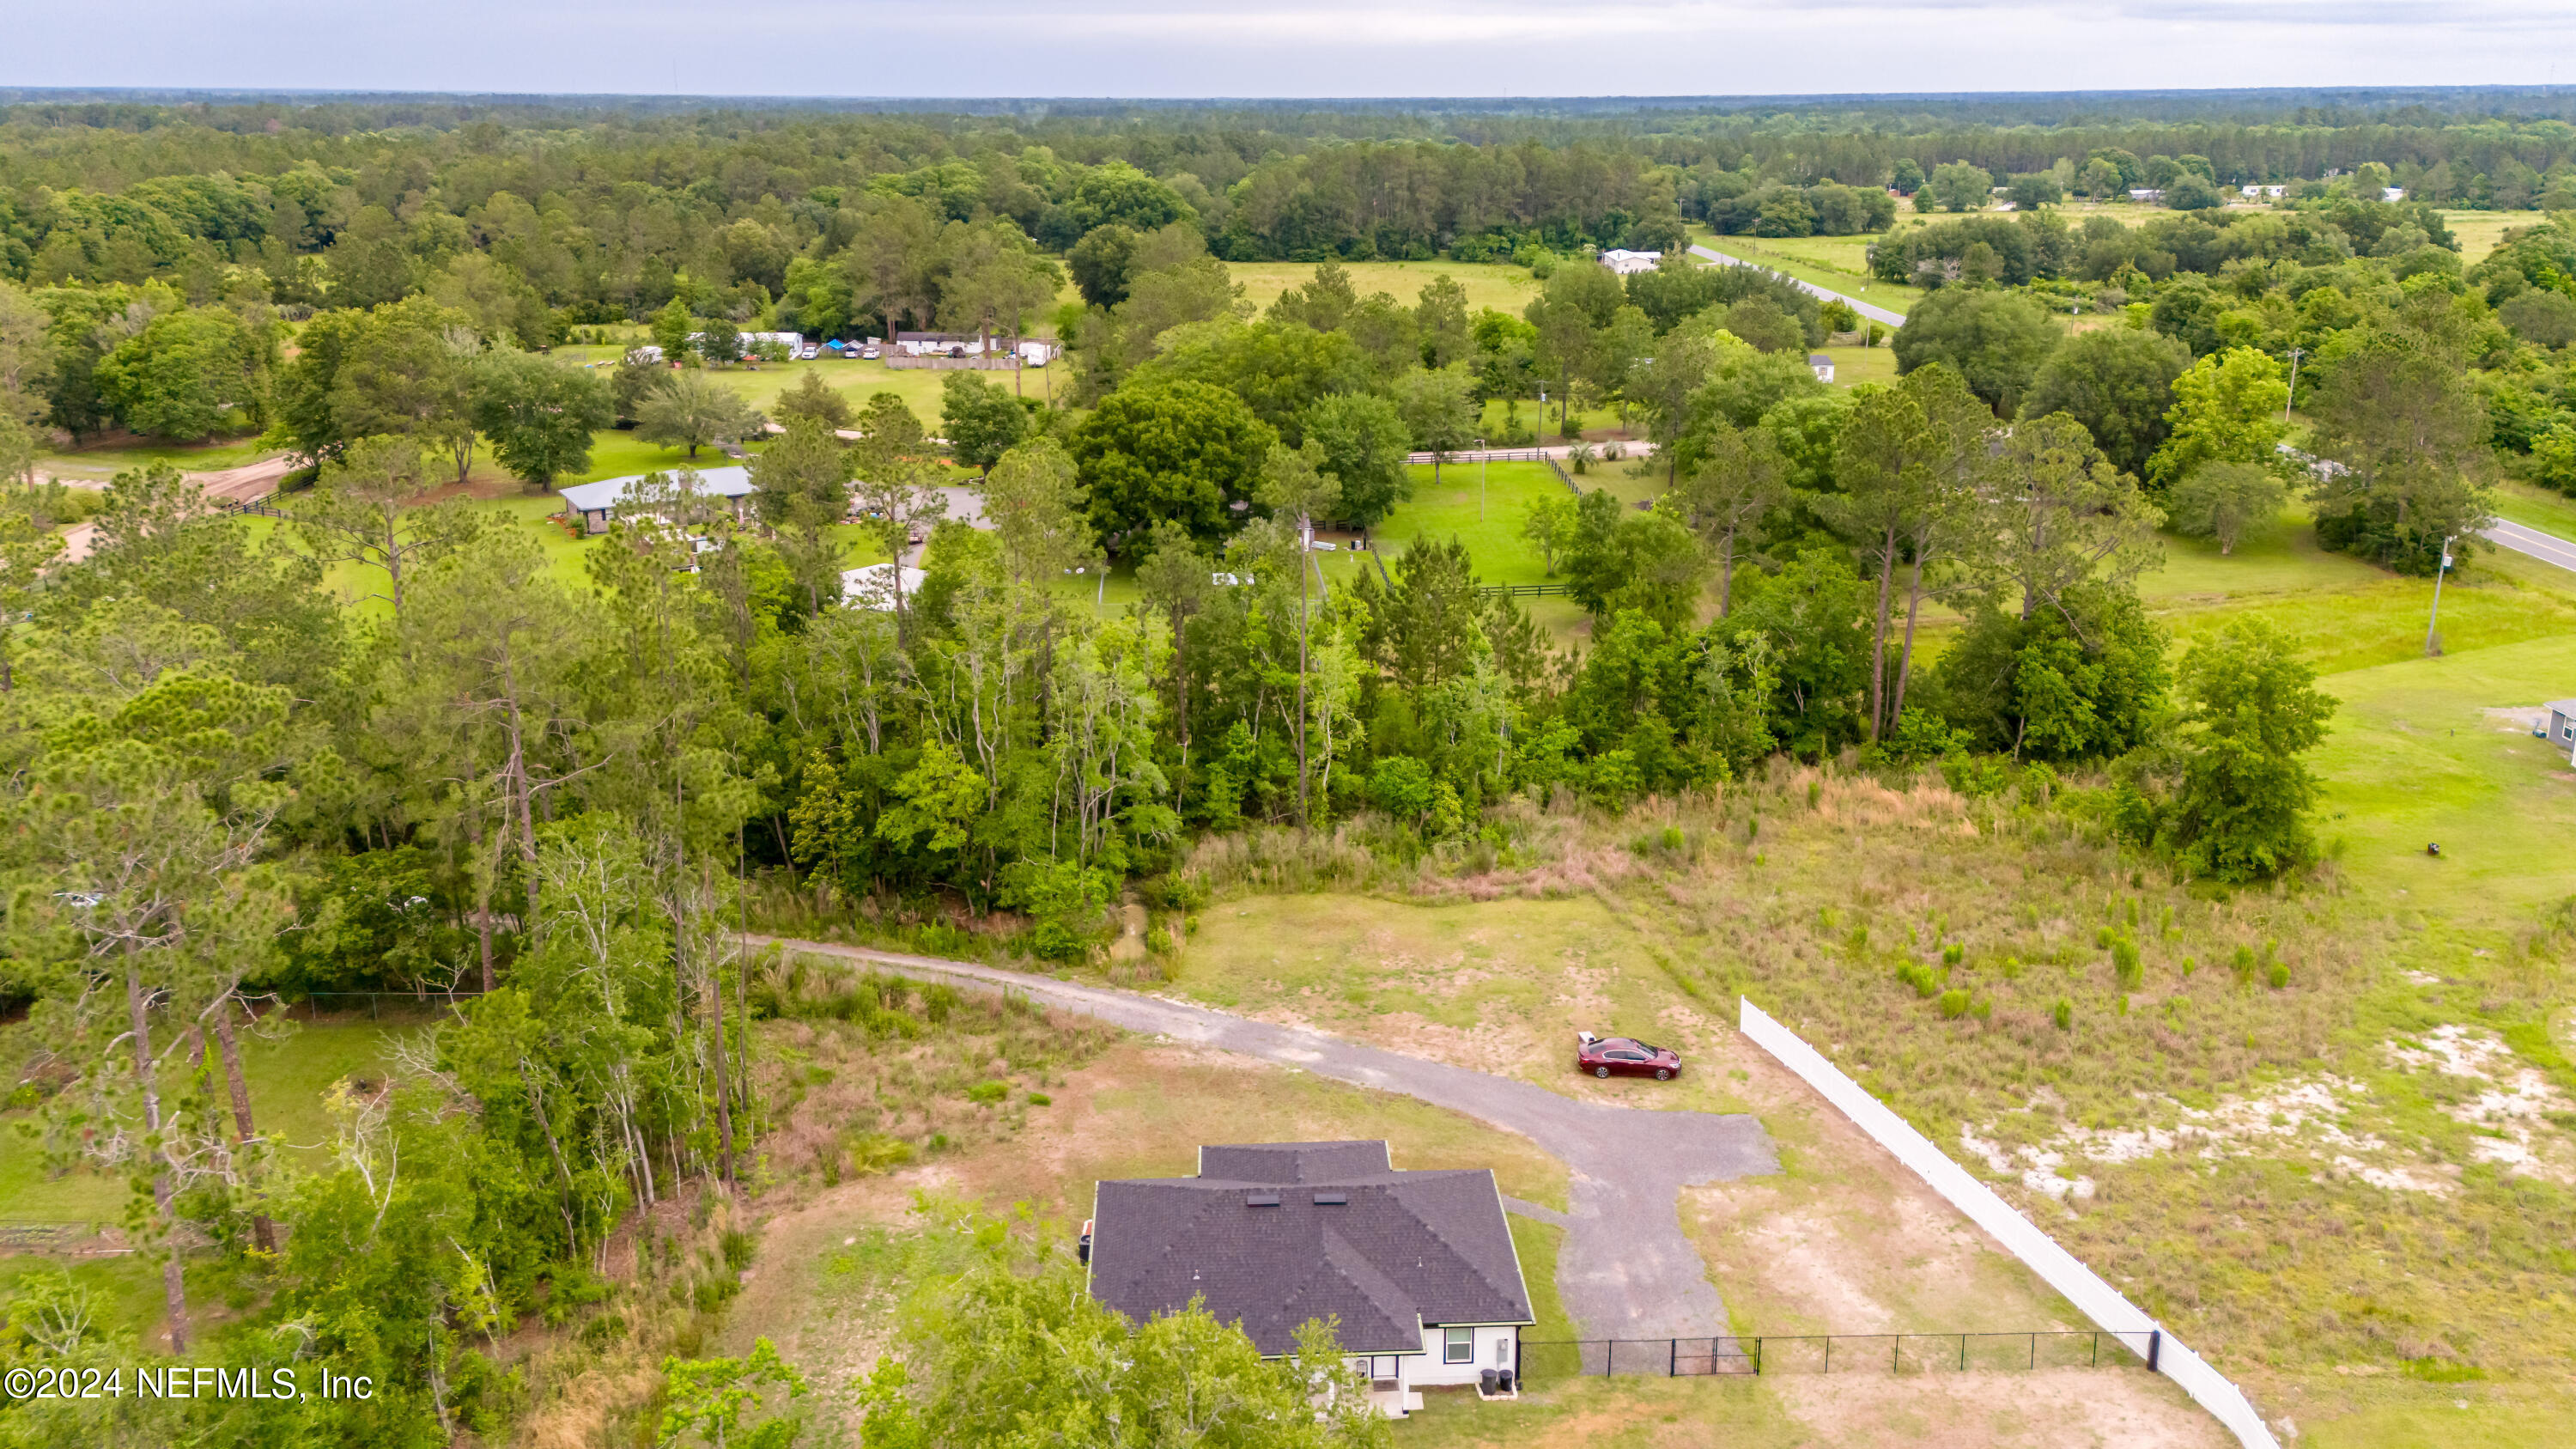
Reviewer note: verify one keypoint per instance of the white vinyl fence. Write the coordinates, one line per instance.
(2082, 1287)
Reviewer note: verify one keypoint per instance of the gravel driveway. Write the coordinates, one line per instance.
(1625, 1271)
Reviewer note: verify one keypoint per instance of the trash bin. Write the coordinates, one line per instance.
(1488, 1379)
(1504, 1378)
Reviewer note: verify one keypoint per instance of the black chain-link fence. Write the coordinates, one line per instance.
(1831, 1353)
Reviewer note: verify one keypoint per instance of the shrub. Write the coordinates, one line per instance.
(2126, 966)
(1954, 1003)
(2063, 1013)
(874, 1152)
(1953, 954)
(988, 1094)
(1040, 1099)
(1979, 777)
(1053, 941)
(2278, 974)
(1924, 979)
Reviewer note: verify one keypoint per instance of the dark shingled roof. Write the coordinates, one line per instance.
(1407, 1249)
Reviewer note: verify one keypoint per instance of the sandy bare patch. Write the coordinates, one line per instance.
(1848, 1241)
(2055, 1408)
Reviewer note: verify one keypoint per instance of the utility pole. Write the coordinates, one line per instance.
(2295, 354)
(2433, 629)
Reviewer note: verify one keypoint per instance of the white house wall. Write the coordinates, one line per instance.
(1496, 1348)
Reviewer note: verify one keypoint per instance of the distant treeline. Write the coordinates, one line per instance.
(601, 212)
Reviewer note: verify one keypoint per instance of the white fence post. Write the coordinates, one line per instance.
(2081, 1285)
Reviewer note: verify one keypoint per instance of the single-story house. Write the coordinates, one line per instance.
(1822, 365)
(2258, 189)
(2562, 725)
(2392, 193)
(2146, 194)
(595, 503)
(1034, 351)
(1418, 1266)
(1623, 261)
(873, 587)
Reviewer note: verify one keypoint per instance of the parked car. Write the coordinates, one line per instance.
(810, 353)
(870, 353)
(1624, 1056)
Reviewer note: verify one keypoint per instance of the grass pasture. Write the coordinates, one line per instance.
(1498, 285)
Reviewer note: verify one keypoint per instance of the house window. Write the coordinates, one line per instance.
(1459, 1346)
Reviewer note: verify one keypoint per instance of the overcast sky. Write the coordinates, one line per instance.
(1162, 48)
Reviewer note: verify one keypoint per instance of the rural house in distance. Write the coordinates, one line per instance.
(1418, 1266)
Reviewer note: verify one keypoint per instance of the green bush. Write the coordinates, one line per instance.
(873, 1152)
(1954, 1003)
(988, 1094)
(2063, 1013)
(1924, 979)
(1040, 1099)
(2278, 974)
(2125, 965)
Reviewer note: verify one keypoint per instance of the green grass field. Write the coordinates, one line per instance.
(2481, 232)
(1497, 285)
(2415, 758)
(288, 1079)
(2536, 508)
(1835, 263)
(1856, 365)
(105, 462)
(1482, 505)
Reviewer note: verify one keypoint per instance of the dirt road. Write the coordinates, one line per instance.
(1626, 1269)
(246, 484)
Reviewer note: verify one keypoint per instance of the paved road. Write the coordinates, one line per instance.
(2546, 547)
(1626, 1269)
(1869, 310)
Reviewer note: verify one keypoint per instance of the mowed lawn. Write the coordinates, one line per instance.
(2415, 759)
(1482, 505)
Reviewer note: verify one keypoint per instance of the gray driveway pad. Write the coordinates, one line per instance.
(1625, 1270)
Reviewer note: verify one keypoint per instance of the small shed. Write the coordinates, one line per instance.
(1823, 366)
(1624, 262)
(2561, 726)
(594, 504)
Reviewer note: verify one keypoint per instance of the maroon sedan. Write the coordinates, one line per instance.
(1624, 1056)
